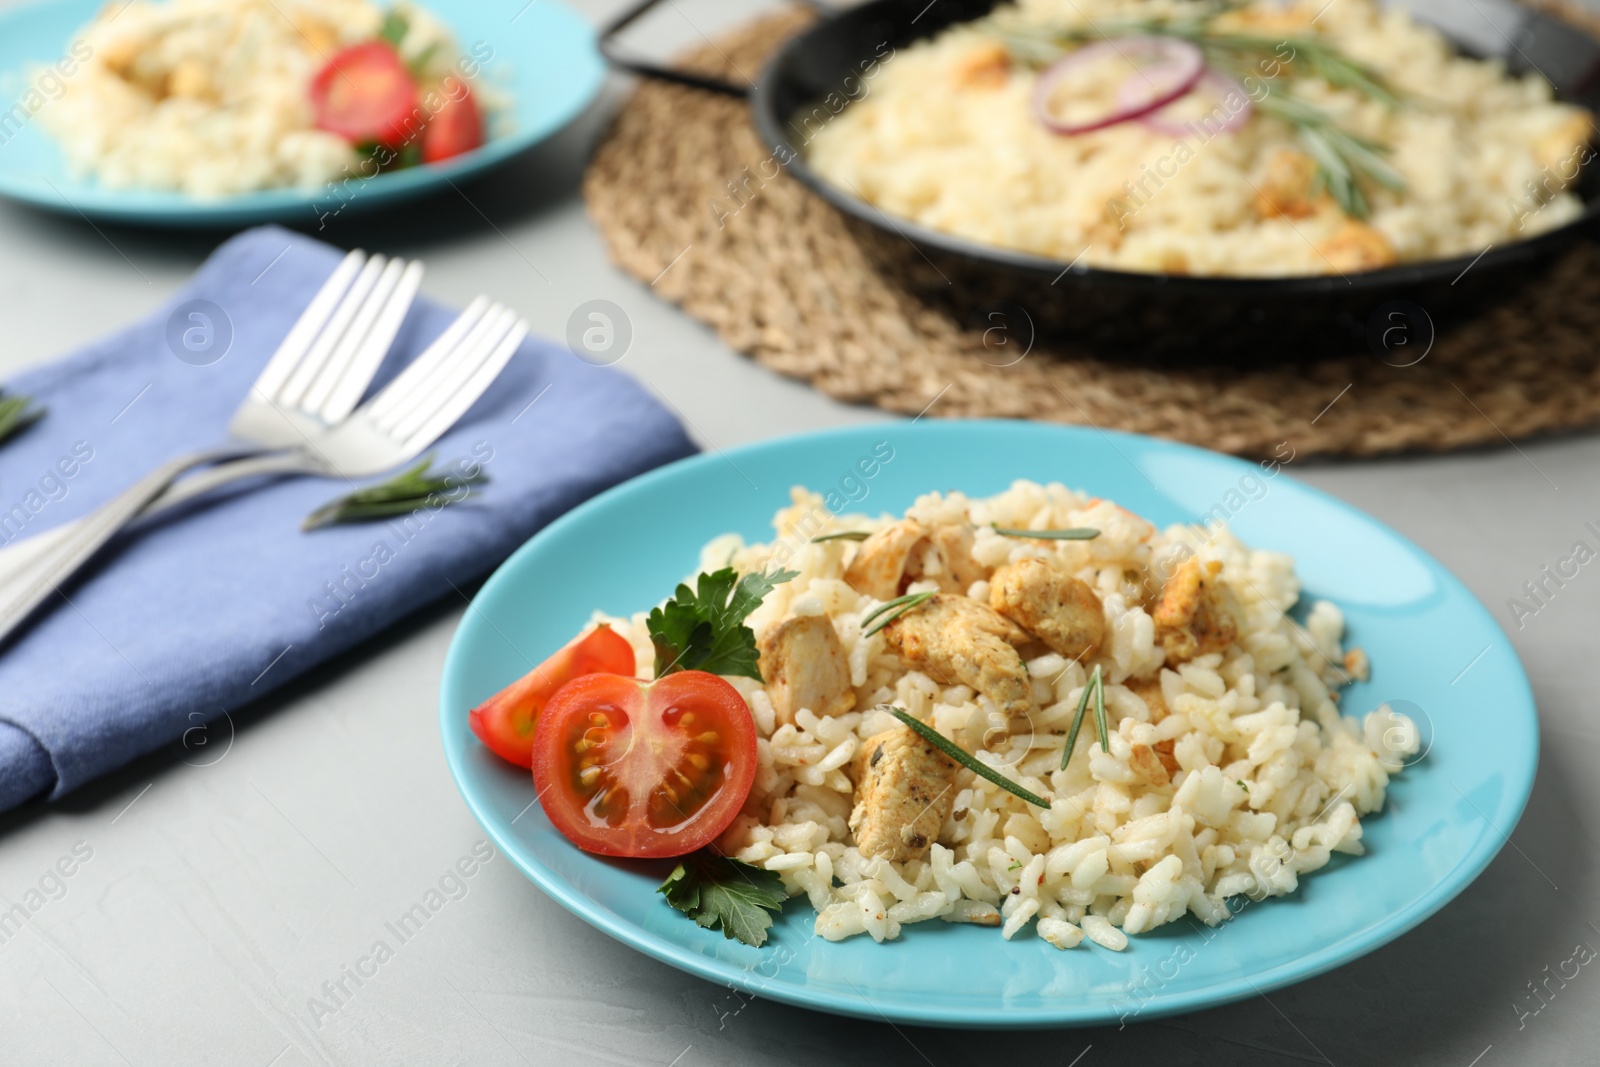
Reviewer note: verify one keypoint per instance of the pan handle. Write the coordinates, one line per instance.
(646, 69)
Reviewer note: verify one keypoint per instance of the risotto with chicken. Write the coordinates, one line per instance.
(1228, 769)
(215, 98)
(1191, 137)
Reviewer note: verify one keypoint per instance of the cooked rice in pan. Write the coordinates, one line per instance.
(944, 133)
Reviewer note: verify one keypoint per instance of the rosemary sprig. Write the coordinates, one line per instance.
(17, 413)
(1343, 159)
(407, 491)
(1075, 533)
(895, 608)
(966, 759)
(847, 535)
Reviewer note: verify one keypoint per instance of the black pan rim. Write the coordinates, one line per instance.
(769, 125)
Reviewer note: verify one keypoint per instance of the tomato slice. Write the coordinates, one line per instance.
(506, 720)
(366, 94)
(455, 128)
(644, 769)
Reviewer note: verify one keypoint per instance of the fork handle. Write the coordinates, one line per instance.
(19, 559)
(91, 533)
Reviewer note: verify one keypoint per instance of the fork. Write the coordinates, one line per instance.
(314, 378)
(407, 416)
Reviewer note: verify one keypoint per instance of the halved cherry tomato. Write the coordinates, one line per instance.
(366, 94)
(630, 768)
(506, 720)
(455, 128)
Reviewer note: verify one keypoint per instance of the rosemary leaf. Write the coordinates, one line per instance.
(1077, 718)
(17, 413)
(407, 491)
(1076, 533)
(1334, 171)
(1100, 711)
(967, 760)
(1333, 67)
(895, 608)
(847, 535)
(1364, 158)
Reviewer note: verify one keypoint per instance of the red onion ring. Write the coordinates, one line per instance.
(1222, 85)
(1179, 67)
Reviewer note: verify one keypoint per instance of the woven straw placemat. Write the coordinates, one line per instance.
(783, 280)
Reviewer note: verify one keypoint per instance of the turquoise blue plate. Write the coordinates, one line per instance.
(1435, 652)
(544, 60)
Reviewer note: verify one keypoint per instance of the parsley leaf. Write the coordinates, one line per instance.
(703, 629)
(717, 891)
(394, 29)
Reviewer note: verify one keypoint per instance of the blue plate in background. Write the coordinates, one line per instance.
(545, 62)
(1435, 654)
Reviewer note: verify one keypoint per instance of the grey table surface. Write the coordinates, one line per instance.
(219, 894)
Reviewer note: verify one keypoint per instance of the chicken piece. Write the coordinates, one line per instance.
(1356, 665)
(1149, 691)
(189, 80)
(892, 559)
(1166, 752)
(988, 66)
(804, 666)
(119, 52)
(1173, 261)
(904, 791)
(1560, 150)
(956, 639)
(1055, 607)
(1195, 614)
(1147, 764)
(953, 542)
(317, 33)
(880, 562)
(1285, 188)
(1356, 246)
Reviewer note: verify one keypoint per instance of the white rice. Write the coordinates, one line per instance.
(1485, 156)
(1272, 780)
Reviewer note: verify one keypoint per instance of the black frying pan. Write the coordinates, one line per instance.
(1112, 311)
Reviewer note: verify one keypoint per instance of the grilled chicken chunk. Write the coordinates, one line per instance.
(1195, 614)
(904, 790)
(953, 541)
(1149, 691)
(1354, 245)
(880, 562)
(1055, 607)
(956, 639)
(893, 558)
(1289, 186)
(804, 666)
(985, 67)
